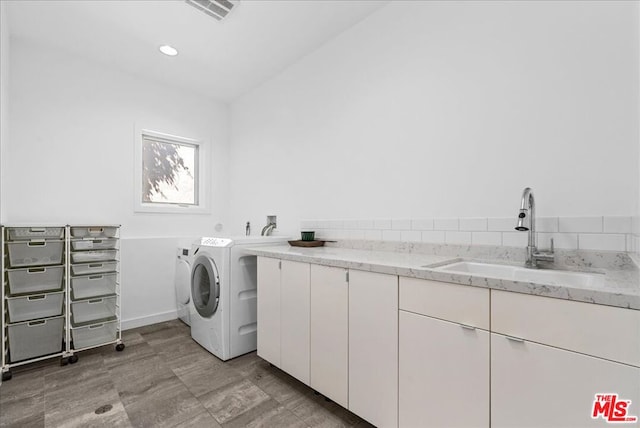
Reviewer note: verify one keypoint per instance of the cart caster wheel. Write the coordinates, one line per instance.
(120, 347)
(64, 361)
(6, 376)
(73, 359)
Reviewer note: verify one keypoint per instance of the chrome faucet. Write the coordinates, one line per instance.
(527, 222)
(266, 231)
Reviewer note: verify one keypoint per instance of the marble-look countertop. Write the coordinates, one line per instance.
(620, 288)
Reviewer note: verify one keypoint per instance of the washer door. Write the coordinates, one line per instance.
(205, 286)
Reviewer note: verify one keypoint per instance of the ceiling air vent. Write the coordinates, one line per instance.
(218, 9)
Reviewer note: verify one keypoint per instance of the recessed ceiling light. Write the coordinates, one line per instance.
(168, 50)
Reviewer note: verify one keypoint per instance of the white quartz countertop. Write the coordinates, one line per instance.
(620, 288)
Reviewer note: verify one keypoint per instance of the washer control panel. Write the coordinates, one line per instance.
(215, 242)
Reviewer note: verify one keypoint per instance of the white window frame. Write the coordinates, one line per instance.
(202, 184)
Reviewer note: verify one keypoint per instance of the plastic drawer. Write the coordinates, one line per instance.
(94, 232)
(93, 268)
(85, 287)
(33, 253)
(34, 280)
(94, 244)
(33, 339)
(93, 310)
(29, 233)
(93, 256)
(34, 307)
(94, 335)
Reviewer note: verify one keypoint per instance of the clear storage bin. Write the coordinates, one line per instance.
(93, 310)
(93, 256)
(84, 287)
(29, 233)
(34, 280)
(94, 335)
(34, 307)
(94, 244)
(94, 232)
(93, 268)
(33, 339)
(33, 253)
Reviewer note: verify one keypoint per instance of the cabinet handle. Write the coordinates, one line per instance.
(467, 327)
(346, 276)
(515, 339)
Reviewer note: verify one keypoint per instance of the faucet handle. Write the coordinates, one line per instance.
(551, 245)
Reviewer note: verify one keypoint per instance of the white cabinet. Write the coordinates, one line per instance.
(443, 355)
(269, 309)
(551, 357)
(534, 385)
(443, 373)
(330, 332)
(294, 321)
(283, 315)
(373, 347)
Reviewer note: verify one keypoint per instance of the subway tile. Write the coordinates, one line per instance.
(364, 224)
(422, 224)
(433, 236)
(617, 225)
(391, 235)
(580, 224)
(631, 243)
(322, 224)
(547, 224)
(382, 224)
(350, 224)
(635, 225)
(602, 241)
(486, 238)
(401, 224)
(515, 239)
(459, 238)
(410, 236)
(373, 235)
(565, 241)
(445, 224)
(336, 224)
(355, 234)
(473, 224)
(502, 224)
(308, 224)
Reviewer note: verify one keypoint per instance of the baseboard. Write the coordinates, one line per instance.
(149, 319)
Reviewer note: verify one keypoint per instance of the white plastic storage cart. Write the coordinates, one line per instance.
(60, 292)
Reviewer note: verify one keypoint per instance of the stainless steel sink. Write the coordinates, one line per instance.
(522, 274)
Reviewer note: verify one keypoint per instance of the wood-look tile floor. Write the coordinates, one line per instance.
(163, 379)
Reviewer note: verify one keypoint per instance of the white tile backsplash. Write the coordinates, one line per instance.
(422, 224)
(602, 241)
(410, 236)
(458, 238)
(617, 225)
(565, 241)
(580, 224)
(433, 236)
(486, 238)
(473, 224)
(391, 235)
(446, 224)
(609, 233)
(401, 224)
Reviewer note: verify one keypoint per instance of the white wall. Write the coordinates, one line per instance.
(4, 100)
(71, 151)
(438, 109)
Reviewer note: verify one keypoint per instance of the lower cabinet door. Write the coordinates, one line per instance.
(443, 373)
(539, 386)
(269, 309)
(294, 319)
(373, 347)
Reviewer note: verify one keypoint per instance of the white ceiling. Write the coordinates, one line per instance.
(219, 59)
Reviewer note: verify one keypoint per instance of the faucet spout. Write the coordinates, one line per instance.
(527, 223)
(266, 231)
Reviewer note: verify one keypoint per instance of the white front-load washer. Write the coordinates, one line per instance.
(224, 294)
(183, 283)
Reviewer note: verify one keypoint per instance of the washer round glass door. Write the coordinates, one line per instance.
(205, 286)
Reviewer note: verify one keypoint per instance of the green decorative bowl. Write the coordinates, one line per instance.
(308, 235)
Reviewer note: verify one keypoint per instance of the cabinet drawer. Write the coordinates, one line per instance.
(33, 339)
(36, 306)
(29, 233)
(33, 253)
(452, 302)
(598, 330)
(34, 280)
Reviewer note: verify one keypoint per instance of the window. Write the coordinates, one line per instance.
(169, 174)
